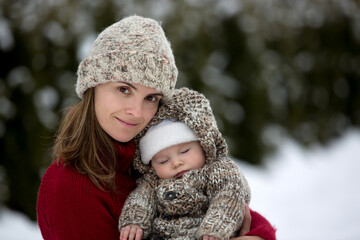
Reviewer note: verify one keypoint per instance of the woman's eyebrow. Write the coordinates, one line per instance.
(157, 94)
(132, 86)
(129, 84)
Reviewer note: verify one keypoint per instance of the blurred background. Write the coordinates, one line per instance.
(269, 67)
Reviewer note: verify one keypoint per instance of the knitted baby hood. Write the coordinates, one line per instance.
(193, 109)
(135, 50)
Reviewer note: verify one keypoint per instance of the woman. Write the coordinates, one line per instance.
(128, 74)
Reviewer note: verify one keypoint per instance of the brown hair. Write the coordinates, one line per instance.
(82, 144)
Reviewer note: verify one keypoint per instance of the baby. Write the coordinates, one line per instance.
(190, 188)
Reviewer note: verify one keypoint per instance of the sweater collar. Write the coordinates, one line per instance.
(125, 155)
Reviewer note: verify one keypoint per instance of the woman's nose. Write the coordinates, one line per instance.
(134, 108)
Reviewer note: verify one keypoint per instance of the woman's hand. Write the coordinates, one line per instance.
(248, 238)
(245, 228)
(208, 237)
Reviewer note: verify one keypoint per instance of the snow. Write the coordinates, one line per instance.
(313, 193)
(305, 193)
(16, 226)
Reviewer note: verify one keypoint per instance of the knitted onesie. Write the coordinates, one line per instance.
(210, 200)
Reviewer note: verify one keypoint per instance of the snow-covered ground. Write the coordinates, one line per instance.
(313, 193)
(307, 194)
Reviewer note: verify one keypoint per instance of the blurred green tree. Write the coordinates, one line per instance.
(269, 68)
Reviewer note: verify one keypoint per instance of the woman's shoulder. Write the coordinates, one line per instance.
(70, 205)
(60, 179)
(62, 189)
(58, 173)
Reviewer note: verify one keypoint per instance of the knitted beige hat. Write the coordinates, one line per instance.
(135, 50)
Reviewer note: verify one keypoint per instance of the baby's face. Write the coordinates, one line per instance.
(176, 160)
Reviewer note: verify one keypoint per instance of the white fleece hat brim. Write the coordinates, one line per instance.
(166, 134)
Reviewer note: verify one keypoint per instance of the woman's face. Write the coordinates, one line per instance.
(124, 109)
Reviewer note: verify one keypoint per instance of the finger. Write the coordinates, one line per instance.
(124, 233)
(132, 233)
(139, 233)
(245, 228)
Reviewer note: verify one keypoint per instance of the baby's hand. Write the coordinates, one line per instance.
(131, 232)
(208, 237)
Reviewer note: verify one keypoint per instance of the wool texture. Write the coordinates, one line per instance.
(210, 200)
(135, 50)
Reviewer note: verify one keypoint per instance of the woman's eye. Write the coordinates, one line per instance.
(151, 98)
(124, 90)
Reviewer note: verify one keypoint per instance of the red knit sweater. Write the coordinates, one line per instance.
(261, 227)
(70, 206)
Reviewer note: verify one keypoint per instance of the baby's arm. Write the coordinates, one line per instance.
(131, 232)
(228, 191)
(139, 209)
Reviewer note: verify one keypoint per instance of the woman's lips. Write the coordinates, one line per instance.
(127, 124)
